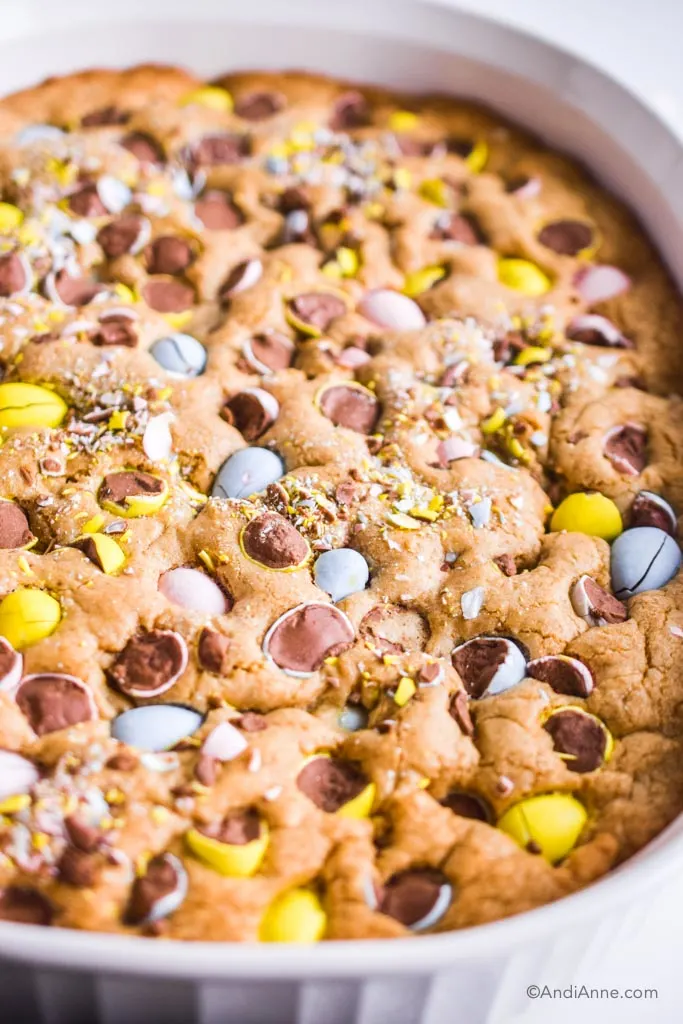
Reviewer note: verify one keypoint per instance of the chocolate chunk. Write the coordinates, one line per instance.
(104, 117)
(509, 345)
(595, 604)
(458, 227)
(24, 906)
(393, 629)
(228, 148)
(115, 329)
(86, 202)
(83, 837)
(301, 639)
(648, 509)
(257, 106)
(76, 291)
(294, 198)
(89, 548)
(468, 805)
(119, 236)
(144, 148)
(460, 146)
(271, 540)
(506, 564)
(352, 407)
(168, 296)
(564, 674)
(330, 783)
(123, 762)
(236, 829)
(566, 237)
(78, 868)
(459, 711)
(149, 664)
(52, 701)
(351, 110)
(488, 665)
(158, 892)
(415, 897)
(13, 276)
(218, 212)
(251, 721)
(168, 254)
(206, 770)
(318, 309)
(212, 650)
(578, 736)
(251, 412)
(116, 487)
(14, 528)
(626, 449)
(269, 350)
(592, 329)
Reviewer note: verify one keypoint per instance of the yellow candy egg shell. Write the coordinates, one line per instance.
(523, 276)
(294, 916)
(590, 513)
(229, 859)
(551, 823)
(27, 616)
(30, 405)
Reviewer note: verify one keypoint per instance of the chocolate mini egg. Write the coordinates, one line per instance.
(644, 558)
(247, 472)
(156, 727)
(180, 355)
(341, 572)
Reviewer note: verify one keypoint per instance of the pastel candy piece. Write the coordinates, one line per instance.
(417, 898)
(489, 665)
(251, 411)
(300, 640)
(194, 590)
(27, 616)
(598, 283)
(157, 440)
(132, 493)
(247, 472)
(422, 280)
(114, 194)
(594, 604)
(14, 529)
(181, 355)
(593, 329)
(224, 743)
(30, 405)
(583, 742)
(549, 824)
(103, 551)
(243, 276)
(235, 847)
(18, 775)
(11, 217)
(351, 406)
(644, 558)
(353, 717)
(588, 512)
(337, 787)
(11, 666)
(523, 276)
(52, 701)
(150, 663)
(648, 509)
(210, 96)
(270, 540)
(454, 448)
(341, 572)
(564, 674)
(155, 727)
(567, 237)
(524, 187)
(294, 916)
(392, 310)
(38, 133)
(158, 892)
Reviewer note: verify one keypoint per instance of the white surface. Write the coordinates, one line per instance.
(581, 940)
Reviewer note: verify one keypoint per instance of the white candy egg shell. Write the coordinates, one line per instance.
(247, 472)
(644, 558)
(155, 727)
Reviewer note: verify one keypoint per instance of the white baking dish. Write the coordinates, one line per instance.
(475, 977)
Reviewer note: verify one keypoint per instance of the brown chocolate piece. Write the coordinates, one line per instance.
(258, 106)
(580, 737)
(128, 484)
(78, 868)
(144, 148)
(119, 236)
(168, 254)
(25, 906)
(271, 540)
(459, 711)
(626, 449)
(212, 650)
(149, 664)
(301, 639)
(159, 882)
(350, 407)
(565, 675)
(468, 805)
(52, 701)
(318, 309)
(76, 291)
(168, 296)
(86, 201)
(228, 148)
(410, 896)
(566, 237)
(271, 349)
(330, 783)
(351, 110)
(13, 277)
(14, 529)
(115, 330)
(218, 212)
(248, 413)
(105, 117)
(237, 829)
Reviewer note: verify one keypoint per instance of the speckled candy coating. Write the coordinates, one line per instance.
(275, 342)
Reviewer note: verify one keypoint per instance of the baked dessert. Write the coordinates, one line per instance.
(340, 472)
